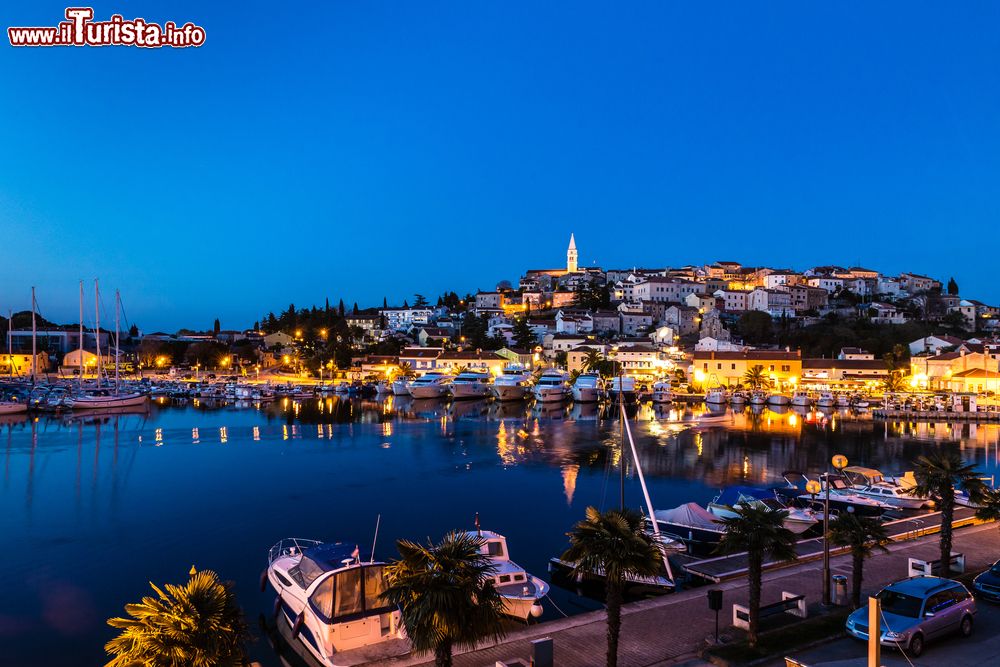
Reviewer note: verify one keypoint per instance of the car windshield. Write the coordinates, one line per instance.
(894, 602)
(995, 569)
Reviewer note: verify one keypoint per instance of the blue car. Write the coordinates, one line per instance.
(987, 584)
(917, 610)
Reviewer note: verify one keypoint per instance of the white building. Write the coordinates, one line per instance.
(401, 319)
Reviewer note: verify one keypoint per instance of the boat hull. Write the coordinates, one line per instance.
(432, 391)
(550, 394)
(510, 392)
(586, 394)
(102, 403)
(12, 408)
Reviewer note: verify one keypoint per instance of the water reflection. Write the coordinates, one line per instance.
(215, 484)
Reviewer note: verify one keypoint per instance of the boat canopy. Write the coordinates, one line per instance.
(689, 514)
(732, 495)
(871, 475)
(325, 558)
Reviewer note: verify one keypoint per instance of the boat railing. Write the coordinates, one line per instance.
(290, 546)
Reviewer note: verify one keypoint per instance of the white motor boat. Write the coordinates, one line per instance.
(893, 491)
(12, 407)
(738, 398)
(802, 399)
(552, 386)
(725, 504)
(842, 401)
(587, 388)
(333, 602)
(97, 399)
(717, 396)
(521, 592)
(825, 400)
(758, 397)
(622, 389)
(383, 388)
(401, 387)
(662, 393)
(430, 385)
(512, 384)
(778, 399)
(470, 384)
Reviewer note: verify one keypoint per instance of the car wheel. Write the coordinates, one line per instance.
(966, 627)
(917, 645)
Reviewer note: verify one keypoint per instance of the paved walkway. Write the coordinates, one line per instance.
(670, 629)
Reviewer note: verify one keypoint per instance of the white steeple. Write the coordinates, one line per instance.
(571, 266)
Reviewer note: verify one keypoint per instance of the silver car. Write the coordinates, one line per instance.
(917, 610)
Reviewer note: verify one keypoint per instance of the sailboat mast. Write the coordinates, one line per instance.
(117, 346)
(97, 328)
(80, 357)
(645, 495)
(34, 338)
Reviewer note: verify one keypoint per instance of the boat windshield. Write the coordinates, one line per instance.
(350, 593)
(894, 602)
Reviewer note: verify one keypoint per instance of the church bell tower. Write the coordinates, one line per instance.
(571, 266)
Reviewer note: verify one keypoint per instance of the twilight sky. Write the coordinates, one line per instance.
(368, 148)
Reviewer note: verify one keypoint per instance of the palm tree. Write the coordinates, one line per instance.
(893, 382)
(616, 544)
(937, 475)
(406, 370)
(592, 361)
(862, 535)
(755, 378)
(446, 594)
(989, 506)
(573, 375)
(198, 624)
(759, 531)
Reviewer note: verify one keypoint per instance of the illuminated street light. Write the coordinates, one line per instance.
(839, 462)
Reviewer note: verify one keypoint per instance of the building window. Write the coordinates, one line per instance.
(785, 369)
(771, 367)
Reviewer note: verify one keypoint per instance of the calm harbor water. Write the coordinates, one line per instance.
(93, 509)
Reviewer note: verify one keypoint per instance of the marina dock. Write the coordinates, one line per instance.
(670, 629)
(722, 568)
(936, 415)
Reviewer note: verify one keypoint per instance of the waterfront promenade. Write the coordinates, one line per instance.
(671, 629)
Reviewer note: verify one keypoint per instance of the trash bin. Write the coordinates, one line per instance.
(839, 589)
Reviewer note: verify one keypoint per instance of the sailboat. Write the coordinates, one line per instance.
(106, 398)
(668, 545)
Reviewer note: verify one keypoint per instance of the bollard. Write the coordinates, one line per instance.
(840, 589)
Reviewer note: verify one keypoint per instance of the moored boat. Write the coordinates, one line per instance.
(512, 384)
(333, 602)
(522, 593)
(470, 384)
(430, 385)
(552, 386)
(587, 388)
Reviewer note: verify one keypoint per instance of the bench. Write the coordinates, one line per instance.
(927, 568)
(789, 604)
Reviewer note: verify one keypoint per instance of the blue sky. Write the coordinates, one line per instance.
(365, 149)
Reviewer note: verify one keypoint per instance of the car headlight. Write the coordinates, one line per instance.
(894, 635)
(850, 622)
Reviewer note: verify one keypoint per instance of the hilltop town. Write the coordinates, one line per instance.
(702, 326)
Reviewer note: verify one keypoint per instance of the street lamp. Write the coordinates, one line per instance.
(839, 462)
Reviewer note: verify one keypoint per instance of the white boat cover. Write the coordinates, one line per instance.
(689, 514)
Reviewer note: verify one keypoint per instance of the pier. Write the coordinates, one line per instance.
(721, 568)
(936, 415)
(669, 630)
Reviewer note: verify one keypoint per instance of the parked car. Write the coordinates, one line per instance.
(987, 584)
(917, 610)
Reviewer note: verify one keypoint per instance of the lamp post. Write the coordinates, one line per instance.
(839, 462)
